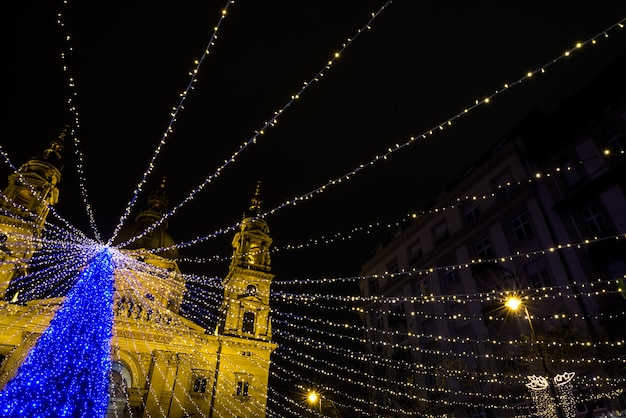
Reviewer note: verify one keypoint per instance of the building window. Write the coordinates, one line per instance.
(120, 379)
(614, 141)
(537, 274)
(540, 279)
(420, 288)
(483, 249)
(398, 310)
(248, 322)
(593, 219)
(521, 227)
(440, 233)
(379, 321)
(504, 185)
(199, 385)
(414, 253)
(451, 276)
(251, 290)
(471, 213)
(571, 175)
(242, 386)
(392, 266)
(373, 285)
(476, 412)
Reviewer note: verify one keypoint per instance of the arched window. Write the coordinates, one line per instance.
(120, 379)
(251, 290)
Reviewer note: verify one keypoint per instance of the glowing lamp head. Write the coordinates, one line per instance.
(312, 397)
(513, 303)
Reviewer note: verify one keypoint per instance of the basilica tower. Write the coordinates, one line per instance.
(244, 335)
(24, 207)
(245, 309)
(163, 362)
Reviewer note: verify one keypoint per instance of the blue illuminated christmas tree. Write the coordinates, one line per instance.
(66, 374)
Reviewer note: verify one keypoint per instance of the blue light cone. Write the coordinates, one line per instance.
(66, 374)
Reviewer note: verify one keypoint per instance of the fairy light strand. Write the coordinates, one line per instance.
(273, 120)
(71, 100)
(174, 114)
(328, 369)
(378, 158)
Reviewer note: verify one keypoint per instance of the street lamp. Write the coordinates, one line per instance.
(514, 303)
(542, 389)
(314, 399)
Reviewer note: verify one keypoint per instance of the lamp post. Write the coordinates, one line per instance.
(514, 304)
(314, 400)
(543, 391)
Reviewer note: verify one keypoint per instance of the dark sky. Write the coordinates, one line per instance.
(421, 63)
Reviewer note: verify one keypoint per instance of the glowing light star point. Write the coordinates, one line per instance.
(513, 303)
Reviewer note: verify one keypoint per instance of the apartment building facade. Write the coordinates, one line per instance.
(542, 216)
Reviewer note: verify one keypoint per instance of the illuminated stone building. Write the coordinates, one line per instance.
(163, 364)
(436, 288)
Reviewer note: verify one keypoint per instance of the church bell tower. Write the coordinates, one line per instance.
(245, 309)
(24, 207)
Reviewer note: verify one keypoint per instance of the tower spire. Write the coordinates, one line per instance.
(156, 239)
(245, 307)
(26, 202)
(255, 203)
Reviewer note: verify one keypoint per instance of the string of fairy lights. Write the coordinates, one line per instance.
(361, 230)
(400, 145)
(515, 187)
(272, 121)
(59, 255)
(551, 293)
(457, 296)
(74, 133)
(292, 353)
(170, 330)
(590, 41)
(174, 114)
(31, 217)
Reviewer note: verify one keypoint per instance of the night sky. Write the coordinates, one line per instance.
(421, 63)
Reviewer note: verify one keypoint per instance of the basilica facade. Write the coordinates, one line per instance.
(163, 364)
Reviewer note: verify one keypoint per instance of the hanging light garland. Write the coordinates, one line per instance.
(193, 78)
(100, 271)
(272, 121)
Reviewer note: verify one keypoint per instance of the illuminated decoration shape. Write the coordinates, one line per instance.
(537, 383)
(66, 374)
(540, 392)
(564, 389)
(563, 379)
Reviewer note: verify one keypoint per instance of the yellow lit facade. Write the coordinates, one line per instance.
(163, 364)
